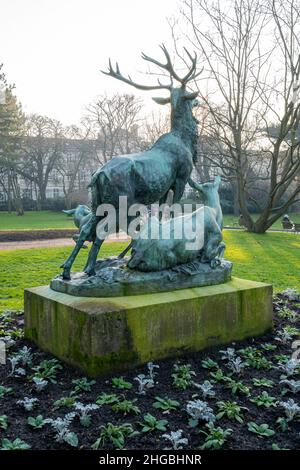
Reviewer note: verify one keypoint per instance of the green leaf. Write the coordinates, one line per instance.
(71, 439)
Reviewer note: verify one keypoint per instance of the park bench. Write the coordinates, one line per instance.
(291, 226)
(287, 225)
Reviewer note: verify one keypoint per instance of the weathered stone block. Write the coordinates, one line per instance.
(101, 335)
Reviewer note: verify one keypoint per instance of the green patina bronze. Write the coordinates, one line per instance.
(146, 177)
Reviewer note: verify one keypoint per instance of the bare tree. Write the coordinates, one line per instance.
(228, 35)
(153, 126)
(283, 150)
(78, 158)
(11, 122)
(115, 121)
(42, 147)
(247, 91)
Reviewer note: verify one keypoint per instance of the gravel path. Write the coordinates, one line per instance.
(23, 245)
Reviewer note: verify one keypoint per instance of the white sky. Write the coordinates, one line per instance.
(53, 50)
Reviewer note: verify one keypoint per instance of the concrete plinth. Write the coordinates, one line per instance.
(102, 335)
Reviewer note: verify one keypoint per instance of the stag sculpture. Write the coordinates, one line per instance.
(146, 177)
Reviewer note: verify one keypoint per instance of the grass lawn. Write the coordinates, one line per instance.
(273, 257)
(44, 220)
(35, 220)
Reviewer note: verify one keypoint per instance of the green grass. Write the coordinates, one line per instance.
(41, 220)
(273, 258)
(232, 220)
(44, 220)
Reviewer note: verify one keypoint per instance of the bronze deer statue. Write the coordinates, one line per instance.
(146, 177)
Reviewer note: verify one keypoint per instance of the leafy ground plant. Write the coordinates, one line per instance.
(262, 430)
(47, 369)
(38, 422)
(292, 386)
(236, 365)
(289, 368)
(107, 399)
(83, 412)
(115, 435)
(263, 383)
(5, 390)
(152, 370)
(65, 402)
(199, 411)
(176, 439)
(17, 444)
(215, 437)
(282, 424)
(121, 383)
(3, 422)
(231, 410)
(207, 389)
(165, 404)
(264, 399)
(183, 376)
(82, 385)
(126, 407)
(228, 354)
(288, 314)
(291, 408)
(28, 403)
(63, 433)
(237, 387)
(209, 364)
(254, 358)
(219, 376)
(144, 383)
(150, 423)
(39, 384)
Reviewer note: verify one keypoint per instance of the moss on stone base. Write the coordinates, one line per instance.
(100, 335)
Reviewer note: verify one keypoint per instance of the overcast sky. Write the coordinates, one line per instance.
(53, 50)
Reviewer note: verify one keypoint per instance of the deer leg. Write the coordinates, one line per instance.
(162, 202)
(92, 258)
(178, 190)
(84, 234)
(75, 238)
(66, 274)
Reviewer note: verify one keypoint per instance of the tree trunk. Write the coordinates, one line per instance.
(248, 221)
(9, 204)
(17, 195)
(236, 206)
(41, 202)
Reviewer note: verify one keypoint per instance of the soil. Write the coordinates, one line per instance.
(240, 438)
(19, 235)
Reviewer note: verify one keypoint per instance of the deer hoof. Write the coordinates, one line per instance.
(215, 262)
(90, 271)
(66, 273)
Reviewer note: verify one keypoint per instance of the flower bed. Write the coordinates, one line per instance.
(241, 396)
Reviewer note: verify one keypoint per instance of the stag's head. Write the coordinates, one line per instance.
(181, 100)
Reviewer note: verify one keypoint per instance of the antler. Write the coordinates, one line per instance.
(190, 75)
(168, 66)
(117, 74)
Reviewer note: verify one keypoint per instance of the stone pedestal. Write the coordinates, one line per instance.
(103, 335)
